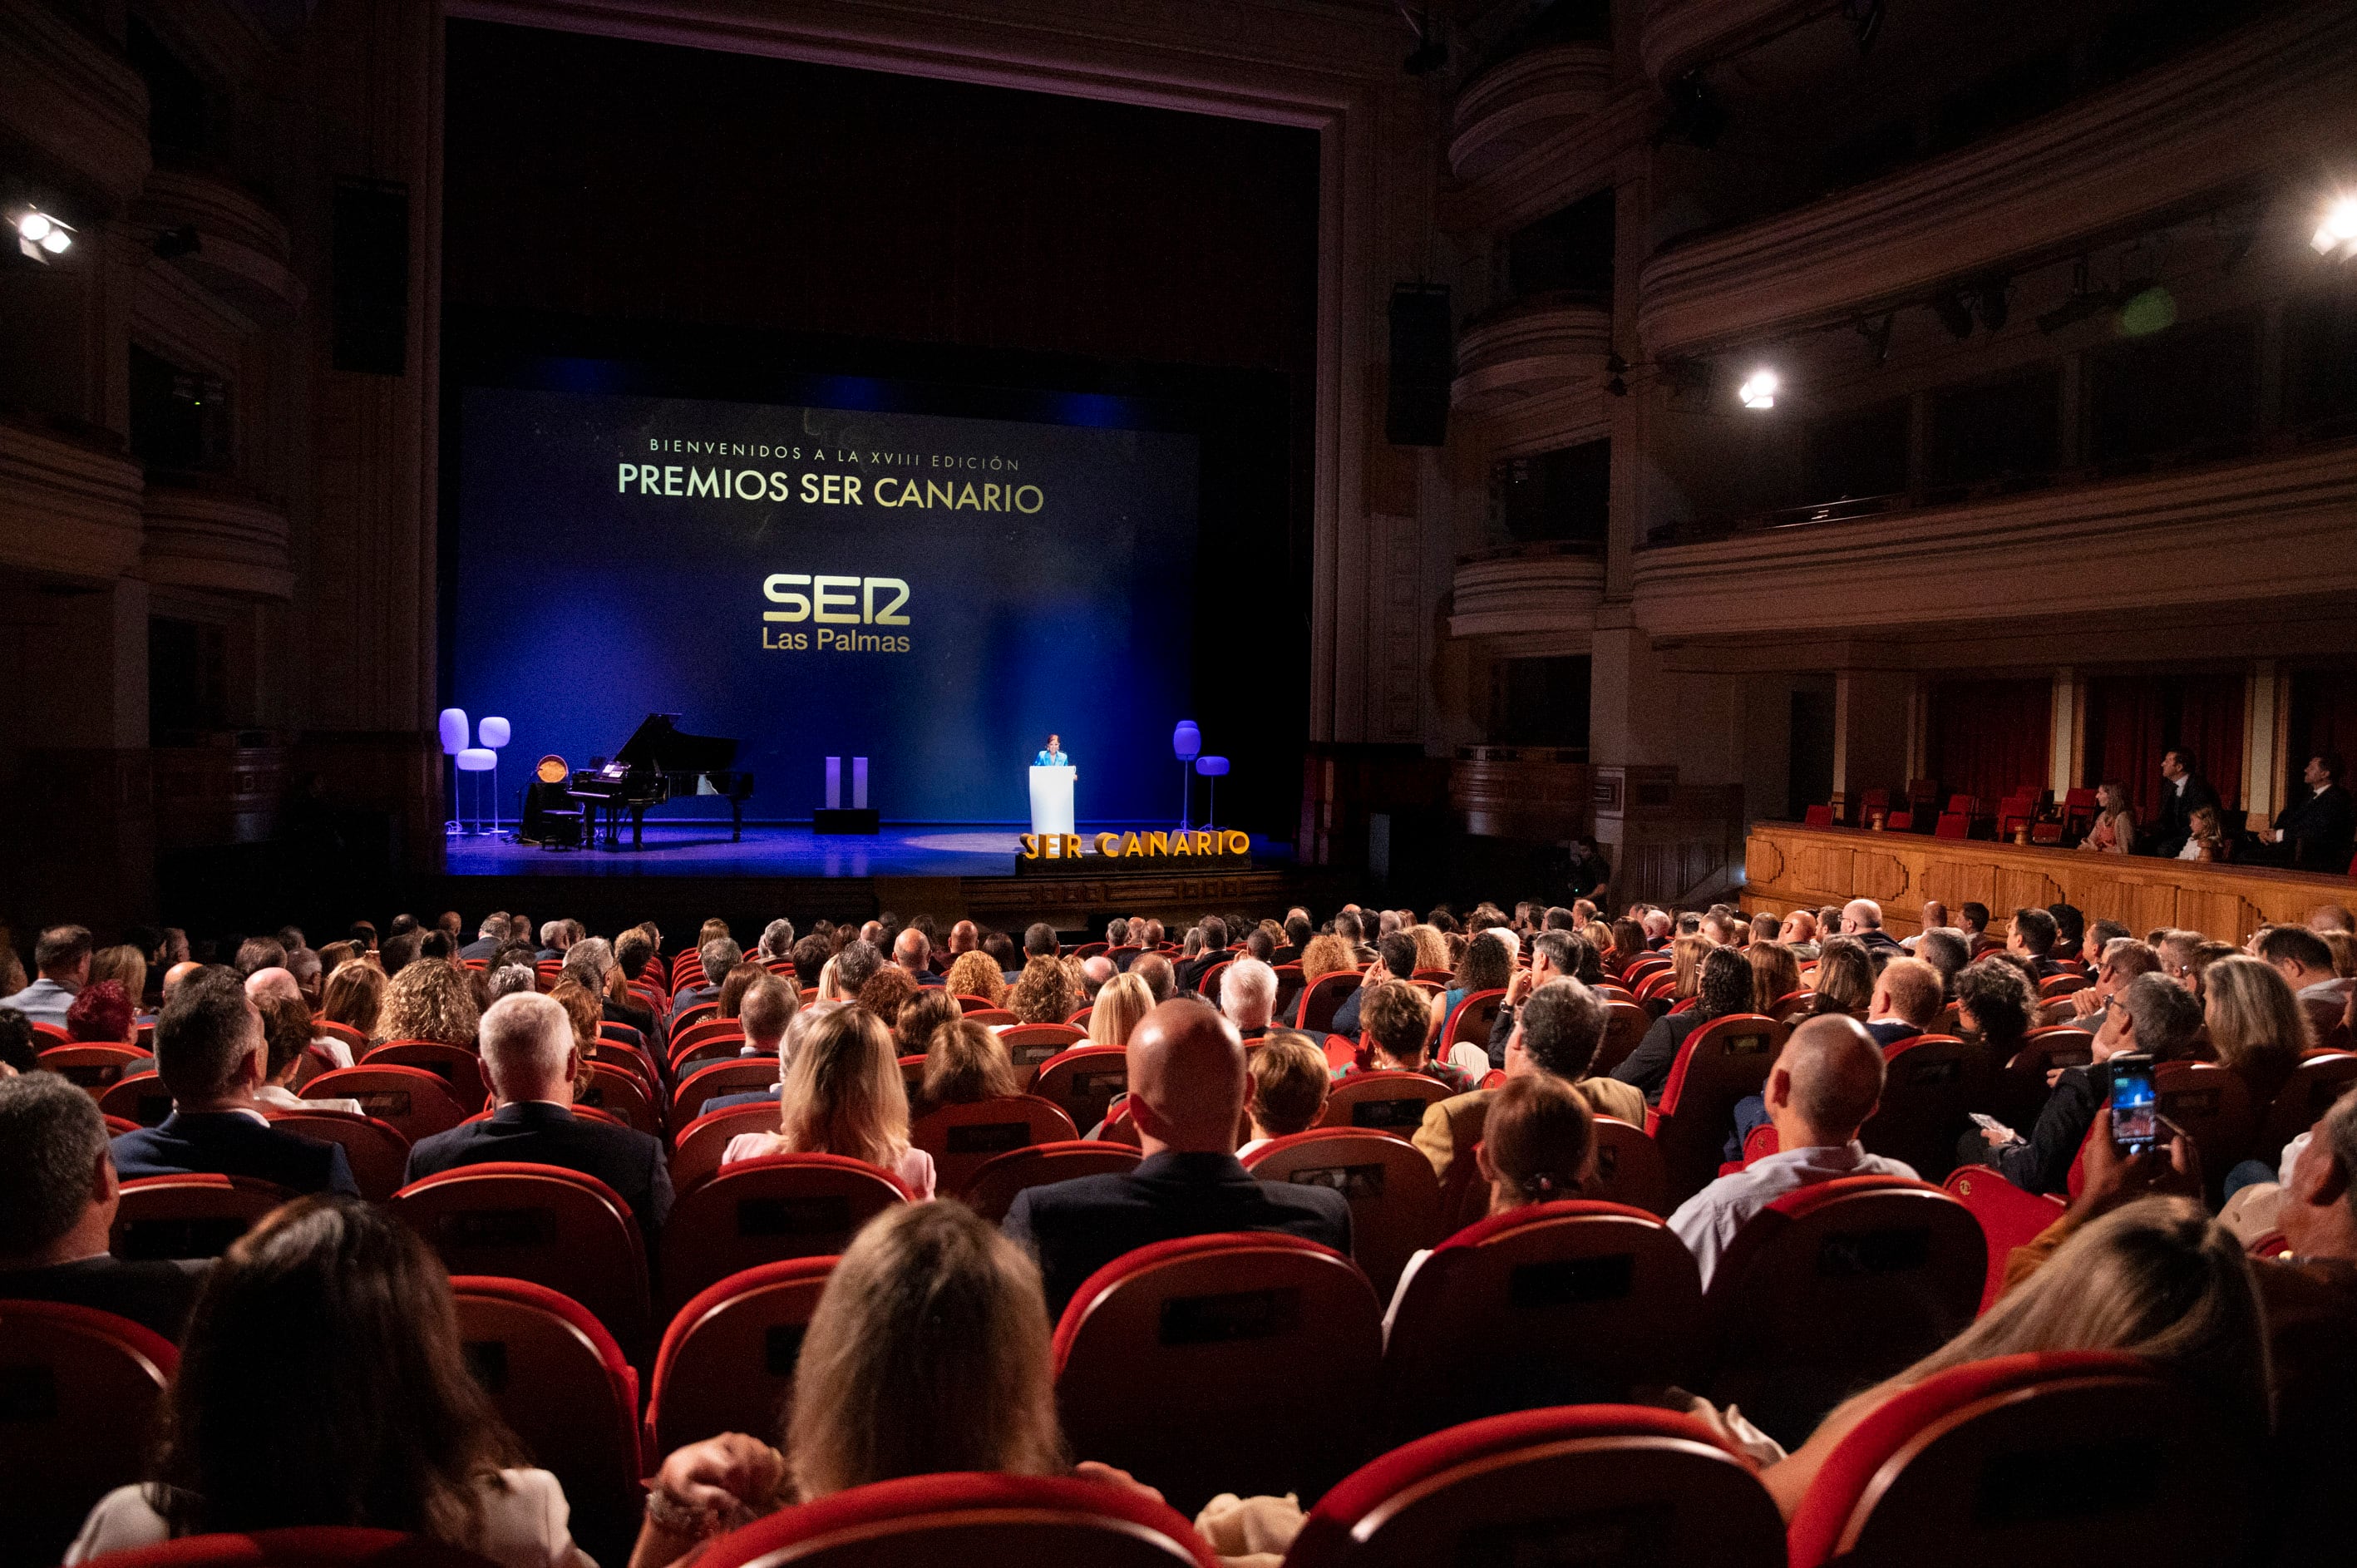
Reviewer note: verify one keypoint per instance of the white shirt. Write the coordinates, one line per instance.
(525, 1524)
(1399, 1292)
(1708, 1221)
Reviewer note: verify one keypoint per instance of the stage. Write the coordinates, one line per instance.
(703, 848)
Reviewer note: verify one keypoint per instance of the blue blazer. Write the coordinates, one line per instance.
(541, 1133)
(1075, 1228)
(229, 1142)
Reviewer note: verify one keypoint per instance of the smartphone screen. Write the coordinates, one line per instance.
(2136, 1109)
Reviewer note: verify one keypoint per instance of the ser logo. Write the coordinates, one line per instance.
(832, 602)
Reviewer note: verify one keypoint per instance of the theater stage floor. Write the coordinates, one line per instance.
(702, 849)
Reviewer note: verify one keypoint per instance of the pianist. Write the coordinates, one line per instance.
(1053, 755)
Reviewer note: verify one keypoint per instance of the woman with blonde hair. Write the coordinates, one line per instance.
(976, 973)
(929, 1352)
(842, 1095)
(1686, 954)
(1775, 975)
(125, 965)
(2256, 1024)
(355, 997)
(1120, 1007)
(1045, 995)
(430, 999)
(966, 1063)
(2156, 1279)
(1326, 955)
(1844, 979)
(1431, 946)
(2205, 839)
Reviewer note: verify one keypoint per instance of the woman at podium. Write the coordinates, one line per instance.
(1053, 755)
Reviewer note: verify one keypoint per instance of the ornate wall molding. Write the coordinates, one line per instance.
(242, 246)
(1525, 350)
(2265, 98)
(66, 506)
(70, 95)
(217, 540)
(1515, 104)
(1679, 35)
(1521, 596)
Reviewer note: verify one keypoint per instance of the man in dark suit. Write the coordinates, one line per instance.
(210, 1053)
(2315, 833)
(1187, 1087)
(1907, 998)
(528, 1050)
(58, 1197)
(1215, 950)
(1398, 962)
(2183, 792)
(489, 936)
(2033, 936)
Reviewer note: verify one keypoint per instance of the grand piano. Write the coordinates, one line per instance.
(661, 762)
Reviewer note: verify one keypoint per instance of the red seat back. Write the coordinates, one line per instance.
(195, 1216)
(2212, 1105)
(2021, 1086)
(1818, 817)
(81, 1389)
(1597, 1300)
(563, 1385)
(984, 1013)
(1628, 1167)
(1579, 1484)
(553, 1227)
(1084, 1081)
(1625, 1024)
(1382, 1102)
(1322, 998)
(715, 1046)
(91, 1067)
(2046, 1459)
(984, 1520)
(2315, 1084)
(1239, 1362)
(461, 1069)
(621, 1094)
(1835, 1286)
(312, 1546)
(990, 1192)
(1395, 1197)
(758, 1211)
(741, 1076)
(376, 1151)
(703, 1029)
(2008, 1217)
(1932, 1085)
(141, 1098)
(696, 1147)
(1030, 1045)
(963, 1138)
(354, 1040)
(1718, 1064)
(727, 1360)
(411, 1099)
(1469, 1021)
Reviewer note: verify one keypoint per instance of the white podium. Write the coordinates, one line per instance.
(1051, 799)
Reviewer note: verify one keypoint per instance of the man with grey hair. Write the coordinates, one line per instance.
(1946, 951)
(556, 936)
(855, 966)
(777, 940)
(531, 1058)
(303, 963)
(2124, 959)
(489, 936)
(1825, 1083)
(58, 1197)
(1248, 996)
(587, 961)
(510, 981)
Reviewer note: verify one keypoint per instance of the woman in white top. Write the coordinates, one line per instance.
(842, 1095)
(322, 1382)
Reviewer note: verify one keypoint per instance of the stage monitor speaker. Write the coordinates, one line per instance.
(369, 276)
(1422, 363)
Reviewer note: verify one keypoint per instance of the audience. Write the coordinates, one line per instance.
(1996, 1004)
(1396, 960)
(1907, 998)
(1556, 1036)
(1844, 979)
(964, 1063)
(1725, 991)
(1119, 1008)
(1775, 972)
(58, 1197)
(323, 1382)
(429, 999)
(2258, 1028)
(61, 961)
(1187, 1086)
(1044, 993)
(921, 1013)
(102, 1014)
(286, 1043)
(2301, 956)
(1248, 996)
(2123, 958)
(533, 1056)
(1825, 1083)
(1395, 1035)
(842, 1095)
(972, 974)
(1289, 1084)
(1862, 918)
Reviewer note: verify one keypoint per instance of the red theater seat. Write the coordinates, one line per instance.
(727, 1360)
(2320, 1078)
(1243, 1362)
(696, 1147)
(91, 1067)
(410, 1098)
(2009, 1216)
(758, 1211)
(462, 1070)
(1469, 1021)
(1382, 1102)
(1817, 817)
(376, 1151)
(1717, 1065)
(556, 1227)
(737, 1077)
(1577, 1302)
(991, 1192)
(1322, 998)
(963, 1138)
(975, 1519)
(1932, 1084)
(1029, 1045)
(318, 1546)
(721, 1045)
(2054, 1457)
(1395, 1197)
(79, 1390)
(1833, 1286)
(141, 1098)
(622, 1094)
(1084, 1081)
(1628, 1167)
(1582, 1484)
(1625, 1024)
(188, 1216)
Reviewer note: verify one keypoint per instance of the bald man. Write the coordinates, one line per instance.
(1826, 1083)
(1186, 1095)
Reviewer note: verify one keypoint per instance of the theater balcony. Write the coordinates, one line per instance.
(1534, 792)
(68, 499)
(2277, 527)
(224, 238)
(1520, 100)
(1529, 590)
(74, 104)
(1529, 347)
(216, 535)
(1679, 35)
(2265, 97)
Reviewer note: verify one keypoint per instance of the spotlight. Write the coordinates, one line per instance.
(2338, 232)
(1758, 390)
(40, 236)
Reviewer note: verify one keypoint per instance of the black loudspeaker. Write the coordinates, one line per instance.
(369, 282)
(1424, 362)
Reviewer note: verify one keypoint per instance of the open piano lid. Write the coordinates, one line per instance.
(660, 747)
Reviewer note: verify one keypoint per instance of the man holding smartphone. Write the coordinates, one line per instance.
(2152, 1017)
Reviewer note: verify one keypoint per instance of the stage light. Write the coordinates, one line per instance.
(1758, 390)
(40, 236)
(2338, 232)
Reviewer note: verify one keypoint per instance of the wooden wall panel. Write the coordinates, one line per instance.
(1794, 867)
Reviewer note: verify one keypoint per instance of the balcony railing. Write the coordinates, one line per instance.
(1530, 347)
(1515, 104)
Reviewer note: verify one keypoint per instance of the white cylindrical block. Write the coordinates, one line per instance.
(859, 783)
(835, 783)
(1051, 799)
